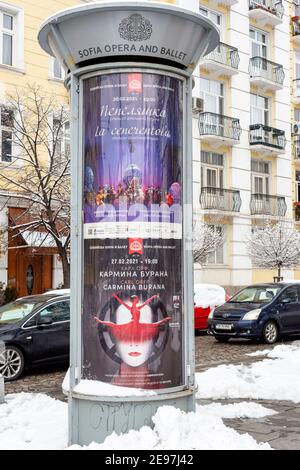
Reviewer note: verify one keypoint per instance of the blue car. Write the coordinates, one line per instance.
(262, 312)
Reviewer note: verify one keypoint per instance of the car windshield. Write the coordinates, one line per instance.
(16, 311)
(259, 294)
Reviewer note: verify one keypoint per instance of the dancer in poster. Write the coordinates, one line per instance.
(134, 341)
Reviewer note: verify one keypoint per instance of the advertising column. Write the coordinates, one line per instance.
(133, 319)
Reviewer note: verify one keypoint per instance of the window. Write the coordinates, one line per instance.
(60, 311)
(212, 171)
(6, 129)
(297, 66)
(260, 177)
(212, 92)
(213, 16)
(11, 36)
(218, 256)
(259, 41)
(297, 116)
(259, 110)
(291, 294)
(62, 141)
(56, 70)
(297, 186)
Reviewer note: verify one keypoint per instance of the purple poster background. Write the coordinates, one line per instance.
(132, 310)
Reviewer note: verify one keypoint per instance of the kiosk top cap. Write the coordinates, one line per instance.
(105, 31)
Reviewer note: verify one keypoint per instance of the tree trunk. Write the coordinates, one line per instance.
(279, 272)
(66, 267)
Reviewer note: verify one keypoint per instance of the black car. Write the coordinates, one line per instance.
(262, 312)
(35, 330)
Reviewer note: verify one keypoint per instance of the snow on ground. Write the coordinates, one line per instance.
(29, 421)
(274, 378)
(33, 421)
(202, 430)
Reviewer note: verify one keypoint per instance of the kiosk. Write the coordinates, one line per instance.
(129, 71)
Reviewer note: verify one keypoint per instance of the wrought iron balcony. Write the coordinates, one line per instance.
(264, 204)
(214, 126)
(219, 199)
(223, 60)
(266, 11)
(297, 148)
(265, 138)
(265, 73)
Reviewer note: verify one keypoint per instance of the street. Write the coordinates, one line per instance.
(208, 353)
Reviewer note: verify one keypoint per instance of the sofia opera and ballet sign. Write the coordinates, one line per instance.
(112, 29)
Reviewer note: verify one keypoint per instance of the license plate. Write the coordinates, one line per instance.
(223, 326)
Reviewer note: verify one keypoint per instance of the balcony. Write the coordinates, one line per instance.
(297, 91)
(218, 129)
(265, 74)
(264, 204)
(266, 140)
(223, 60)
(220, 200)
(227, 3)
(296, 30)
(266, 12)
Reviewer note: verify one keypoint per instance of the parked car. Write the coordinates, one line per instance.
(263, 312)
(58, 292)
(35, 330)
(206, 297)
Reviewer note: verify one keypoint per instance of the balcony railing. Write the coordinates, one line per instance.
(219, 125)
(220, 199)
(267, 136)
(297, 147)
(225, 54)
(271, 6)
(259, 67)
(264, 204)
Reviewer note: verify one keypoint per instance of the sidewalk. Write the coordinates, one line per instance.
(281, 431)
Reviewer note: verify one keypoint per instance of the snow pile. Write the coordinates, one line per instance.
(204, 429)
(276, 378)
(29, 421)
(208, 295)
(33, 421)
(103, 389)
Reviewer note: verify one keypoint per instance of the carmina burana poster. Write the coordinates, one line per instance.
(132, 322)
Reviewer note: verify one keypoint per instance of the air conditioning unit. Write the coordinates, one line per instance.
(197, 105)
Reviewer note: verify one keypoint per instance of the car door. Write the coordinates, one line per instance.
(49, 340)
(289, 308)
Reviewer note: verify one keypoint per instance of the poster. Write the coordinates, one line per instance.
(132, 321)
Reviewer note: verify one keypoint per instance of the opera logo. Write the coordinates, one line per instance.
(134, 83)
(136, 246)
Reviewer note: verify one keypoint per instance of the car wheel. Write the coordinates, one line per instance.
(270, 332)
(222, 339)
(11, 363)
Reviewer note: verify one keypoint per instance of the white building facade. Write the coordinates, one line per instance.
(242, 137)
